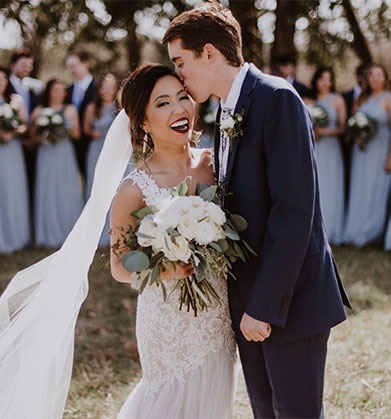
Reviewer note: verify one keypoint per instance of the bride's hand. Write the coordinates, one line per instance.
(177, 272)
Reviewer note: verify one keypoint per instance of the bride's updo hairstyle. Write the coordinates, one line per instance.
(136, 91)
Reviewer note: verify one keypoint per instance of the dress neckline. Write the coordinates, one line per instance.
(199, 151)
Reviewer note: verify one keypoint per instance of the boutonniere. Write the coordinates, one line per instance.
(232, 127)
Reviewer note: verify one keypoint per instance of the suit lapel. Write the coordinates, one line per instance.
(217, 143)
(243, 104)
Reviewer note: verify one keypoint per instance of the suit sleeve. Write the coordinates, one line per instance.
(291, 175)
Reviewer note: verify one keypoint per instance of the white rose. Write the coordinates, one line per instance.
(43, 121)
(216, 213)
(206, 232)
(47, 112)
(167, 217)
(149, 228)
(187, 226)
(179, 250)
(227, 123)
(7, 111)
(57, 119)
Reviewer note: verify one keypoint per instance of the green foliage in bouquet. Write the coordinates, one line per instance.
(9, 121)
(184, 229)
(318, 115)
(361, 128)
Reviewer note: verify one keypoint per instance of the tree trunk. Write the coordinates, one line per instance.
(360, 43)
(247, 15)
(286, 16)
(133, 45)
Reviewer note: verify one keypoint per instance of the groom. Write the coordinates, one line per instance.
(285, 300)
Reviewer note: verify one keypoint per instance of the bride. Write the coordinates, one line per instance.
(187, 361)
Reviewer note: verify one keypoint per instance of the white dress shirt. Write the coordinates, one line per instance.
(79, 90)
(21, 89)
(356, 92)
(229, 105)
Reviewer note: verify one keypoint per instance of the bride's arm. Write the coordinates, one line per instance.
(128, 199)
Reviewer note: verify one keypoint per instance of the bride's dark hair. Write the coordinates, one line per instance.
(136, 91)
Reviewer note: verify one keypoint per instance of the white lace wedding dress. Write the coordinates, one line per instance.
(187, 361)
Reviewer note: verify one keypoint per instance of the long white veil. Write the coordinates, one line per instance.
(39, 308)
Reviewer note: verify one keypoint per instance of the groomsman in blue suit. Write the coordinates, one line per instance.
(284, 301)
(80, 93)
(286, 65)
(21, 66)
(350, 98)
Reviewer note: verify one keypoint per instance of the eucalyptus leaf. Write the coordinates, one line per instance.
(155, 274)
(239, 252)
(209, 193)
(249, 248)
(144, 284)
(215, 246)
(231, 234)
(164, 292)
(182, 188)
(223, 244)
(135, 261)
(201, 187)
(143, 212)
(239, 222)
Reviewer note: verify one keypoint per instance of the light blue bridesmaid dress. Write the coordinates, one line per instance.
(369, 184)
(15, 223)
(58, 192)
(101, 124)
(387, 240)
(331, 175)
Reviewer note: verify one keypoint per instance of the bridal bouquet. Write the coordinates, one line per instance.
(318, 115)
(9, 121)
(361, 126)
(51, 126)
(184, 229)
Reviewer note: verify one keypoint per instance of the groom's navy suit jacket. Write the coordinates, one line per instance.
(272, 181)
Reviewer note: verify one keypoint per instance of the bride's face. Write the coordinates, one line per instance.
(169, 115)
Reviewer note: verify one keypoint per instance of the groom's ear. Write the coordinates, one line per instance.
(210, 52)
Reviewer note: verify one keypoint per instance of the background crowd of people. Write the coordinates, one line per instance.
(45, 180)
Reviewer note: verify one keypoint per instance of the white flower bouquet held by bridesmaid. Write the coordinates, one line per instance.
(51, 126)
(9, 120)
(183, 229)
(318, 115)
(362, 128)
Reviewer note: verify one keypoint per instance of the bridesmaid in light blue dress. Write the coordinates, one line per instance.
(329, 153)
(98, 118)
(370, 178)
(15, 223)
(58, 199)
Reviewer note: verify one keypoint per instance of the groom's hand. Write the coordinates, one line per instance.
(254, 329)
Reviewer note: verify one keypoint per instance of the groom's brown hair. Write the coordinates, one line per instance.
(208, 23)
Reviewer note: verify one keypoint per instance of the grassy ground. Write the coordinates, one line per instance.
(358, 371)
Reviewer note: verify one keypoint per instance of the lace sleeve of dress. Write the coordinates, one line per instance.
(148, 186)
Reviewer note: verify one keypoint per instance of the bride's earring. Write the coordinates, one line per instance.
(145, 142)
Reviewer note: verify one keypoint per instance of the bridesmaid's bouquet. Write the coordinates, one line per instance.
(318, 115)
(184, 229)
(361, 126)
(51, 126)
(9, 121)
